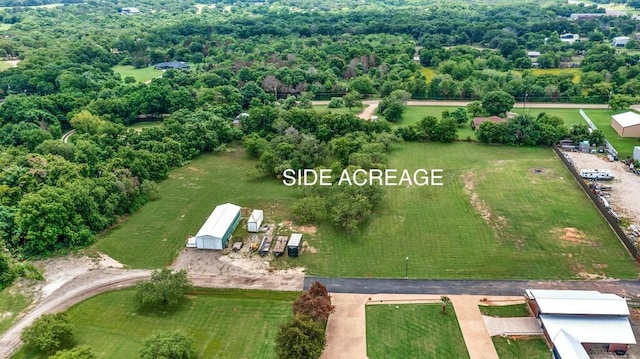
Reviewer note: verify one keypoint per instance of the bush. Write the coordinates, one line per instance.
(336, 102)
(49, 332)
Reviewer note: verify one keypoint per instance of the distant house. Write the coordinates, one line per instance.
(575, 17)
(129, 11)
(619, 41)
(575, 321)
(478, 120)
(178, 65)
(626, 124)
(533, 54)
(569, 38)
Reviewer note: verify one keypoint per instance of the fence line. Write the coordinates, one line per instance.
(610, 149)
(612, 221)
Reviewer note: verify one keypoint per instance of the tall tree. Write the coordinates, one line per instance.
(49, 332)
(498, 102)
(300, 338)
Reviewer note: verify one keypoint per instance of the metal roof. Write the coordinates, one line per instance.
(590, 329)
(295, 239)
(627, 119)
(569, 347)
(578, 302)
(219, 221)
(256, 215)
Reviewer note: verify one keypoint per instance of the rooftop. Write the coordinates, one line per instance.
(627, 119)
(590, 329)
(578, 302)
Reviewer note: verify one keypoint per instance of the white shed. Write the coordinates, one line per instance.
(636, 153)
(255, 220)
(215, 232)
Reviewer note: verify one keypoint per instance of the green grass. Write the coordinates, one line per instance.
(521, 347)
(413, 331)
(413, 114)
(575, 71)
(141, 75)
(439, 228)
(11, 304)
(505, 311)
(428, 73)
(5, 65)
(445, 236)
(5, 27)
(223, 323)
(153, 236)
(602, 120)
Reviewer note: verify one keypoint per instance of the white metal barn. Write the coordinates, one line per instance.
(255, 220)
(215, 232)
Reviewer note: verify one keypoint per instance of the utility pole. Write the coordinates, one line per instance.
(524, 104)
(406, 268)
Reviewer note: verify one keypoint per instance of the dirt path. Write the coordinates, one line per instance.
(72, 279)
(369, 110)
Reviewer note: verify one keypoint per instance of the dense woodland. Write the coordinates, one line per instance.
(245, 55)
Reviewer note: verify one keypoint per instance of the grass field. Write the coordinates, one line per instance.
(413, 331)
(413, 114)
(141, 75)
(441, 229)
(444, 234)
(575, 71)
(153, 236)
(505, 311)
(5, 27)
(521, 347)
(11, 304)
(602, 120)
(223, 323)
(428, 73)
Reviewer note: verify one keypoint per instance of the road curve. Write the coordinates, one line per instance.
(65, 137)
(10, 340)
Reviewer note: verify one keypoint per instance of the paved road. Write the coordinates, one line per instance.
(626, 288)
(518, 105)
(65, 137)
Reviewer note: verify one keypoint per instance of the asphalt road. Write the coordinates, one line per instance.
(625, 288)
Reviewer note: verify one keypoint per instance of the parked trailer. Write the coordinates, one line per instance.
(594, 174)
(265, 245)
(281, 245)
(295, 245)
(255, 221)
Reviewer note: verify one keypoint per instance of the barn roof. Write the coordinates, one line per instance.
(569, 347)
(219, 221)
(576, 302)
(627, 119)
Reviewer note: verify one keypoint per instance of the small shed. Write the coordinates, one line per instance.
(620, 41)
(217, 229)
(626, 124)
(294, 247)
(477, 121)
(255, 221)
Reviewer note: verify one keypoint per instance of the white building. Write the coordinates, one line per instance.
(129, 11)
(574, 321)
(216, 231)
(619, 41)
(255, 221)
(569, 38)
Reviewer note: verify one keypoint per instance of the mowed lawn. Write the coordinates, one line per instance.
(417, 331)
(153, 236)
(223, 323)
(141, 75)
(521, 347)
(11, 304)
(602, 120)
(442, 230)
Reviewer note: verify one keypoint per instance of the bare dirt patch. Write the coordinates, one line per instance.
(572, 235)
(625, 194)
(306, 247)
(497, 223)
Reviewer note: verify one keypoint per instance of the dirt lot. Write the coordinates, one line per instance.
(625, 195)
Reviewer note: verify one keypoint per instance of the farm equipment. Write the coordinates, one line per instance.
(281, 246)
(265, 245)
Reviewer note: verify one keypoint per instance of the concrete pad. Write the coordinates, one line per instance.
(347, 327)
(476, 336)
(512, 326)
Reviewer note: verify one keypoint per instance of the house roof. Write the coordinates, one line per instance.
(173, 65)
(578, 302)
(533, 53)
(590, 329)
(478, 120)
(627, 119)
(569, 347)
(219, 221)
